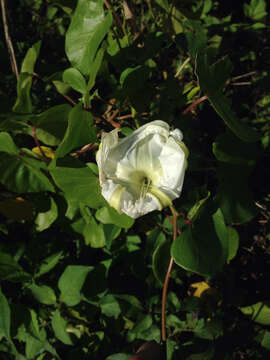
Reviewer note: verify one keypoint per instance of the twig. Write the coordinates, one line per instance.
(244, 75)
(182, 67)
(166, 281)
(69, 99)
(130, 116)
(13, 61)
(243, 83)
(194, 104)
(117, 19)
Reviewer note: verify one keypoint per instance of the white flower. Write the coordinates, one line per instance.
(143, 171)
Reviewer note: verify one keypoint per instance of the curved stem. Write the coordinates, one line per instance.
(8, 41)
(166, 281)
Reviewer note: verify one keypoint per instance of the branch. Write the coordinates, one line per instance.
(13, 61)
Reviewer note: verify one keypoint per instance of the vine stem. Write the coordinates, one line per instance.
(9, 42)
(167, 277)
(37, 142)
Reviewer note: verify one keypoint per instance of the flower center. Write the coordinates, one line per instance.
(145, 186)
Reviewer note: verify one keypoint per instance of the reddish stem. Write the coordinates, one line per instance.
(37, 142)
(194, 104)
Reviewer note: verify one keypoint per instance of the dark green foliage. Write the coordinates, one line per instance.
(78, 279)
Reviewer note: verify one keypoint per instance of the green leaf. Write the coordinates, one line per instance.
(259, 312)
(143, 324)
(230, 149)
(85, 33)
(45, 219)
(110, 306)
(7, 144)
(108, 215)
(33, 347)
(194, 212)
(233, 195)
(52, 124)
(119, 356)
(23, 102)
(49, 263)
(10, 270)
(31, 58)
(80, 131)
(161, 258)
(196, 37)
(94, 69)
(71, 282)
(199, 244)
(75, 79)
(59, 326)
(266, 340)
(43, 294)
(208, 84)
(61, 87)
(21, 174)
(256, 10)
(79, 184)
(93, 234)
(5, 316)
(233, 238)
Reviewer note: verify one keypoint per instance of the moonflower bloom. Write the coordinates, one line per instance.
(143, 171)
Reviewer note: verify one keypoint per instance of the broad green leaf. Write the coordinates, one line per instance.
(110, 306)
(259, 312)
(230, 149)
(45, 219)
(233, 238)
(49, 263)
(266, 340)
(80, 131)
(33, 346)
(161, 258)
(79, 184)
(75, 79)
(87, 29)
(7, 144)
(93, 234)
(52, 124)
(233, 195)
(21, 174)
(199, 244)
(59, 326)
(23, 103)
(108, 215)
(71, 282)
(43, 294)
(5, 316)
(10, 270)
(207, 79)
